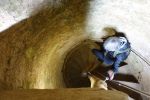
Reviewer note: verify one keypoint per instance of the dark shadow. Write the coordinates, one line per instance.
(76, 61)
(125, 77)
(112, 31)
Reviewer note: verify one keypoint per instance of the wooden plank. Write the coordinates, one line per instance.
(63, 94)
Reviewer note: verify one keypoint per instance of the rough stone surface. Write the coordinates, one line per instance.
(33, 49)
(62, 94)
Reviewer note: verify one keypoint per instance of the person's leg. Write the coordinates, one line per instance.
(108, 61)
(98, 54)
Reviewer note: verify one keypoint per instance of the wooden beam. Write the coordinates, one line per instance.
(63, 94)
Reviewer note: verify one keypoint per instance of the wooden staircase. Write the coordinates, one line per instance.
(81, 59)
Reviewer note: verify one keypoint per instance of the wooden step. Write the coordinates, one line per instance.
(63, 94)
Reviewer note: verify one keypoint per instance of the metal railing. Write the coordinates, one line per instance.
(123, 85)
(140, 56)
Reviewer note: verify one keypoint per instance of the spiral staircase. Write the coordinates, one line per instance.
(80, 59)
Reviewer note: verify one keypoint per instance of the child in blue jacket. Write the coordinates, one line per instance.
(115, 49)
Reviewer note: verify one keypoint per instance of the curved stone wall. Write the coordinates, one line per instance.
(33, 50)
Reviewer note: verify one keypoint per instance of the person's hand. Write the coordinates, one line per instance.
(111, 74)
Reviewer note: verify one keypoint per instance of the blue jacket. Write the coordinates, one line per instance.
(120, 56)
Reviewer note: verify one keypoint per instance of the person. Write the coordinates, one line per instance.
(114, 50)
